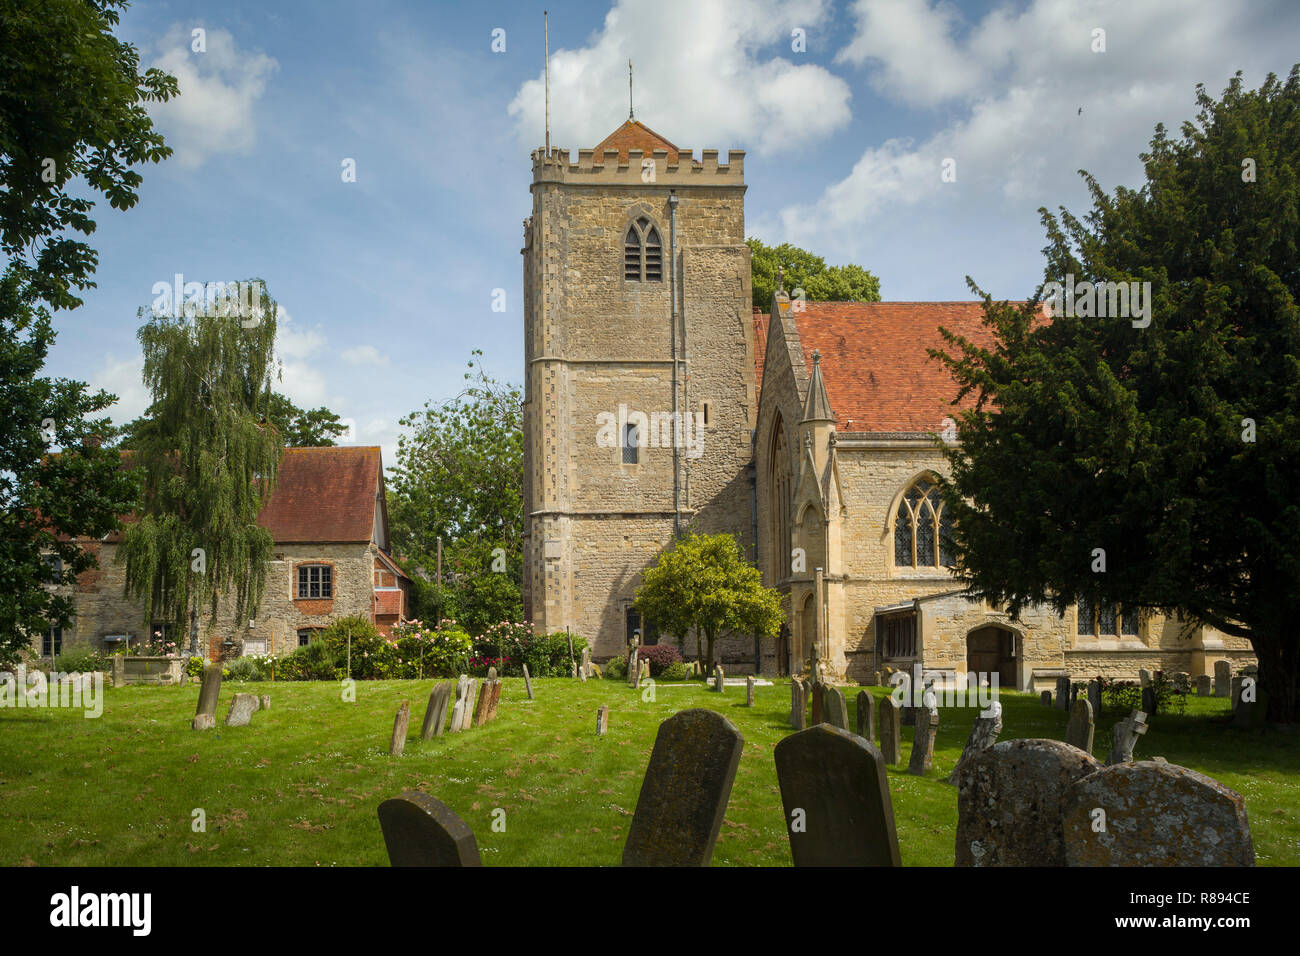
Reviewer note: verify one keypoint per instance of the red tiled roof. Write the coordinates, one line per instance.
(874, 359)
(634, 134)
(324, 494)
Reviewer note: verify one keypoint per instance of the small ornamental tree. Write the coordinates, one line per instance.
(703, 582)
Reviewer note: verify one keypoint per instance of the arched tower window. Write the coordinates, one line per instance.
(643, 254)
(779, 504)
(922, 528)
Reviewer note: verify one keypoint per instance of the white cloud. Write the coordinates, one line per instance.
(720, 74)
(910, 42)
(125, 379)
(301, 378)
(218, 90)
(363, 355)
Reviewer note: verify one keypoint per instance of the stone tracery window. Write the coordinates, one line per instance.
(922, 528)
(643, 255)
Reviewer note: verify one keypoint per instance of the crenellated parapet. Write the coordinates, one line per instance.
(669, 169)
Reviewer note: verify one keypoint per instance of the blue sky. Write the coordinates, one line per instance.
(387, 282)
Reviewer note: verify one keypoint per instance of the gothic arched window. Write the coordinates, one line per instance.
(922, 528)
(779, 503)
(643, 254)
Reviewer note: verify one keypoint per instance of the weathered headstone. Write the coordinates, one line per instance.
(866, 715)
(435, 714)
(798, 703)
(1079, 731)
(1204, 686)
(835, 793)
(633, 668)
(579, 673)
(585, 665)
(927, 725)
(817, 693)
(1149, 699)
(528, 683)
(1062, 696)
(891, 742)
(264, 702)
(835, 709)
(1222, 679)
(685, 791)
(205, 715)
(400, 724)
(1124, 737)
(119, 675)
(719, 683)
(481, 703)
(645, 670)
(1144, 676)
(492, 673)
(494, 698)
(461, 705)
(1010, 802)
(1156, 814)
(1046, 698)
(814, 667)
(1181, 681)
(1094, 697)
(749, 691)
(421, 831)
(602, 720)
(241, 710)
(983, 735)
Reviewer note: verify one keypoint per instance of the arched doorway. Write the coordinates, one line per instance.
(993, 650)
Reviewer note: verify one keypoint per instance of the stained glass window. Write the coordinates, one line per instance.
(1086, 623)
(1106, 623)
(903, 536)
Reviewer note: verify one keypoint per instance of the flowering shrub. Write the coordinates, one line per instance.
(155, 646)
(509, 645)
(410, 652)
(660, 656)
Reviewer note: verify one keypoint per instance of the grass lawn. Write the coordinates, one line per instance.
(300, 787)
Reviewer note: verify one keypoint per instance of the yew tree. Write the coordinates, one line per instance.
(1155, 467)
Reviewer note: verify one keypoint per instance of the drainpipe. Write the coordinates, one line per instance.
(677, 422)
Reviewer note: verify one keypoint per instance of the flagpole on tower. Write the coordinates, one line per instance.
(629, 89)
(546, 30)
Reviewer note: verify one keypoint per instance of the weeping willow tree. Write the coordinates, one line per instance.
(207, 458)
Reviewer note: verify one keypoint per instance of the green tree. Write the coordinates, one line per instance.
(704, 582)
(1168, 451)
(47, 500)
(459, 476)
(297, 427)
(803, 270)
(208, 463)
(72, 114)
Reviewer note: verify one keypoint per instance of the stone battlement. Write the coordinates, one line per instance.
(609, 169)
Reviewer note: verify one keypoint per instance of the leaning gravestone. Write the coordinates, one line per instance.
(205, 715)
(866, 715)
(835, 709)
(422, 831)
(749, 691)
(1062, 698)
(602, 720)
(835, 792)
(1079, 731)
(891, 743)
(1010, 801)
(241, 710)
(1204, 686)
(685, 791)
(493, 701)
(1094, 697)
(1124, 737)
(1156, 814)
(983, 735)
(798, 703)
(462, 703)
(1222, 679)
(481, 703)
(435, 715)
(400, 724)
(528, 683)
(927, 725)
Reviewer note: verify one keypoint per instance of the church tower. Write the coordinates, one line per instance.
(639, 383)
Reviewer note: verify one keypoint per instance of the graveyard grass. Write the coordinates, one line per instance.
(301, 785)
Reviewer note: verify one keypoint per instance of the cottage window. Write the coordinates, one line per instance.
(643, 257)
(52, 642)
(315, 581)
(923, 528)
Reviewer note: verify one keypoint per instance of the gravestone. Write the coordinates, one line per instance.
(241, 710)
(835, 709)
(435, 715)
(1222, 679)
(264, 702)
(205, 715)
(1094, 697)
(814, 667)
(1010, 802)
(493, 698)
(528, 683)
(1062, 696)
(1124, 737)
(1236, 683)
(891, 743)
(1079, 731)
(633, 668)
(927, 725)
(983, 735)
(1046, 698)
(1144, 677)
(400, 724)
(685, 791)
(573, 670)
(866, 715)
(421, 831)
(1204, 686)
(718, 683)
(492, 673)
(1156, 814)
(645, 670)
(119, 676)
(817, 693)
(1249, 714)
(1074, 693)
(457, 722)
(1149, 699)
(1182, 682)
(481, 703)
(749, 691)
(257, 703)
(835, 793)
(581, 674)
(585, 666)
(798, 703)
(602, 720)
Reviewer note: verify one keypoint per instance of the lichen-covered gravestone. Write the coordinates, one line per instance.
(836, 797)
(1155, 814)
(866, 715)
(421, 831)
(891, 741)
(205, 715)
(927, 725)
(835, 709)
(602, 720)
(1079, 731)
(1011, 800)
(685, 791)
(241, 710)
(718, 678)
(400, 724)
(983, 735)
(1124, 737)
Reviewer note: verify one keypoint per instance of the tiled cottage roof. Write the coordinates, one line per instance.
(874, 363)
(634, 134)
(324, 494)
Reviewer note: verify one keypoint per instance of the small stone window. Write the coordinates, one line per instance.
(643, 255)
(315, 581)
(631, 443)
